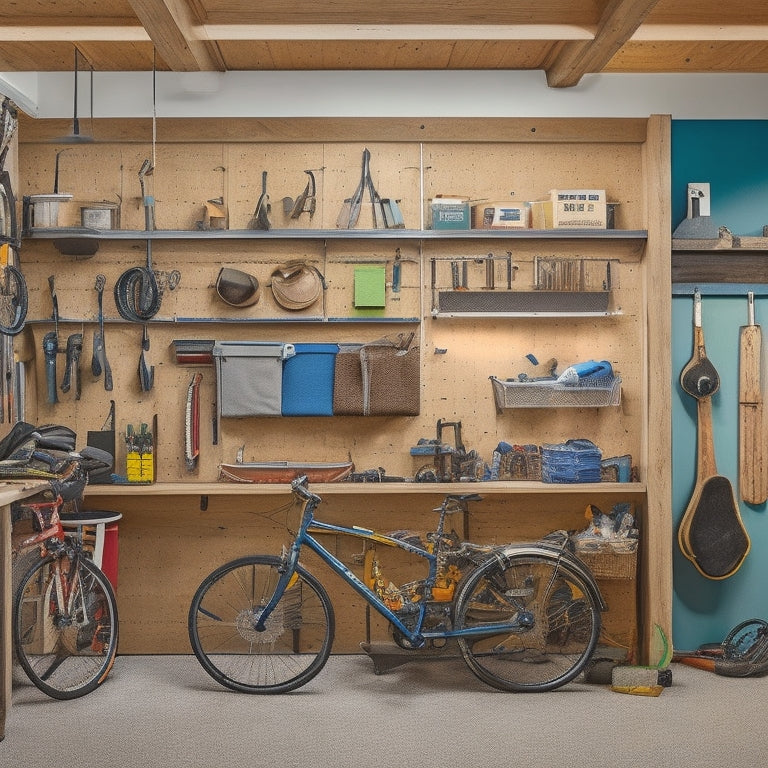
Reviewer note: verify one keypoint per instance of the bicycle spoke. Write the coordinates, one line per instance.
(67, 651)
(558, 623)
(289, 650)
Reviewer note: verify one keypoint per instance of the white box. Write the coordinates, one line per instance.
(570, 209)
(501, 216)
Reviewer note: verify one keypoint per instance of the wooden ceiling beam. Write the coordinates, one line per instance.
(573, 60)
(125, 30)
(178, 35)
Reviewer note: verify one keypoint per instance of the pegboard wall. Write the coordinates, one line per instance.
(168, 529)
(457, 354)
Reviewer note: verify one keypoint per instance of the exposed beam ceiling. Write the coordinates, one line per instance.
(568, 39)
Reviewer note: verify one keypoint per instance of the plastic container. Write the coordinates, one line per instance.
(308, 380)
(249, 376)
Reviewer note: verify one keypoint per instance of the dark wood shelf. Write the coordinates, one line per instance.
(723, 265)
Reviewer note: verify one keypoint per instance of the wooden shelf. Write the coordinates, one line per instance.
(346, 489)
(731, 265)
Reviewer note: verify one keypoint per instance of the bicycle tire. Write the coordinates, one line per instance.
(292, 648)
(71, 654)
(555, 643)
(14, 301)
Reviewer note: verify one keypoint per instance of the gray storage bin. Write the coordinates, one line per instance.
(249, 377)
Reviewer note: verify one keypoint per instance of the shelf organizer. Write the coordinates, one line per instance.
(477, 286)
(596, 393)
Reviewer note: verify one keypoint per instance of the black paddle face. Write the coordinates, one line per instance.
(700, 378)
(716, 536)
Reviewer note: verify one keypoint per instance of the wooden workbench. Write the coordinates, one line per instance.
(10, 491)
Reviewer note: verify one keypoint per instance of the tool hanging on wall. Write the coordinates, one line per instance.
(350, 210)
(711, 534)
(146, 372)
(51, 346)
(753, 472)
(215, 215)
(99, 362)
(385, 212)
(192, 423)
(306, 202)
(72, 367)
(137, 294)
(260, 218)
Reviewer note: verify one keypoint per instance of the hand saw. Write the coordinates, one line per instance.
(192, 423)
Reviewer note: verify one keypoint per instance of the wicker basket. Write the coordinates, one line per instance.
(607, 564)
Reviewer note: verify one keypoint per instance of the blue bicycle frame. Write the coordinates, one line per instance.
(416, 636)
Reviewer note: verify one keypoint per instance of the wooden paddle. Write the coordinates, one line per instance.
(753, 473)
(711, 534)
(699, 376)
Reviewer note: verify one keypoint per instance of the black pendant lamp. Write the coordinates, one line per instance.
(76, 137)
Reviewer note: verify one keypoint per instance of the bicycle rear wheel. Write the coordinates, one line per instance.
(67, 650)
(556, 614)
(296, 640)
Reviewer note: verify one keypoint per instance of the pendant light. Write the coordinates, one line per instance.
(76, 137)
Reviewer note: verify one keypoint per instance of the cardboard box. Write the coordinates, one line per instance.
(570, 209)
(448, 213)
(501, 216)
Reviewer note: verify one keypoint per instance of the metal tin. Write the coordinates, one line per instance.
(100, 216)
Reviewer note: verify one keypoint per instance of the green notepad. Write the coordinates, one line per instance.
(370, 284)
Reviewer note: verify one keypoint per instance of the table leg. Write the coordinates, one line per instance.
(6, 644)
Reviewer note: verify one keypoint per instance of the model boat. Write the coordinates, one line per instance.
(284, 471)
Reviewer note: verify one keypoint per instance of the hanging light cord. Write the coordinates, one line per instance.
(154, 106)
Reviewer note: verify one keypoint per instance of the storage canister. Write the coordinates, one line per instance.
(308, 380)
(249, 377)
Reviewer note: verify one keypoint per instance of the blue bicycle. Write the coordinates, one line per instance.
(526, 617)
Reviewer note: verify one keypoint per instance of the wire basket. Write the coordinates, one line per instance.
(595, 393)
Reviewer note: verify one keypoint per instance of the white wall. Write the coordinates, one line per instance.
(389, 94)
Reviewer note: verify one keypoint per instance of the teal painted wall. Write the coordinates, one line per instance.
(731, 156)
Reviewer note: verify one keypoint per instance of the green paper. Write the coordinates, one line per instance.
(370, 284)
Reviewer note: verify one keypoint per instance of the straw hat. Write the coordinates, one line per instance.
(297, 285)
(237, 288)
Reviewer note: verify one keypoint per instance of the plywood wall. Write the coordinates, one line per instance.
(458, 355)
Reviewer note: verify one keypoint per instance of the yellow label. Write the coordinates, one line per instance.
(139, 468)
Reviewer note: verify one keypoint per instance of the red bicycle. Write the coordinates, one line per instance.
(65, 625)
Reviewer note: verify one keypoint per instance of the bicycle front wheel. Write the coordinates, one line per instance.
(294, 644)
(66, 627)
(555, 617)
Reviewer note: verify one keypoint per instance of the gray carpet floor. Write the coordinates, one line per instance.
(165, 711)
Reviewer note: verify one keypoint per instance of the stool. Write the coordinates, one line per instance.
(90, 526)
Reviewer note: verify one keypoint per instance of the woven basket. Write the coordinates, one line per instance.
(377, 379)
(606, 564)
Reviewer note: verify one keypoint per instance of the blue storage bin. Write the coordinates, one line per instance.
(308, 380)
